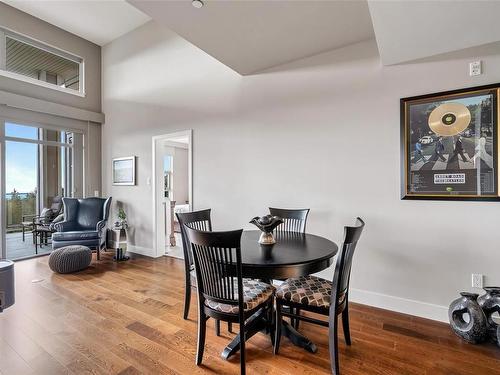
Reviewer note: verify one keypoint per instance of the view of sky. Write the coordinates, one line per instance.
(20, 159)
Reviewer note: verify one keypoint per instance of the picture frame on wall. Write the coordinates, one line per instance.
(449, 145)
(124, 170)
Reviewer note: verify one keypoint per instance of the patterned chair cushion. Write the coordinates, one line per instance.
(307, 290)
(255, 293)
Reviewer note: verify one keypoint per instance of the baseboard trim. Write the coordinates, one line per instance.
(398, 304)
(142, 251)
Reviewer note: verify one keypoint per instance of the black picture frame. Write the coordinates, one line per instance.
(418, 177)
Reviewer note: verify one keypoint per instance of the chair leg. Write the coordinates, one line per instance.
(277, 330)
(297, 321)
(242, 348)
(230, 327)
(217, 327)
(270, 318)
(187, 296)
(99, 252)
(202, 326)
(345, 325)
(333, 345)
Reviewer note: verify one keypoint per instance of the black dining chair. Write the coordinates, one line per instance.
(198, 220)
(314, 294)
(223, 294)
(293, 220)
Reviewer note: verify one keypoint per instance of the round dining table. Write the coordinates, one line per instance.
(293, 255)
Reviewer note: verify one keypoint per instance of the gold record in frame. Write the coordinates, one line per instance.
(449, 119)
(436, 164)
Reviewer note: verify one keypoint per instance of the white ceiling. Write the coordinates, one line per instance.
(410, 30)
(97, 21)
(250, 36)
(253, 35)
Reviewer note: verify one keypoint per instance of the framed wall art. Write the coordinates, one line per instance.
(449, 145)
(124, 171)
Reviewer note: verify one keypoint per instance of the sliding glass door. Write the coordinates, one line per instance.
(41, 165)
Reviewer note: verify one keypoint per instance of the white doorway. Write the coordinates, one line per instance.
(172, 189)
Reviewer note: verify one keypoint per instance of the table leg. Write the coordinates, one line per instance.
(255, 324)
(258, 323)
(297, 338)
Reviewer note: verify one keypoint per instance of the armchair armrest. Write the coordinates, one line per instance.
(101, 225)
(63, 226)
(58, 219)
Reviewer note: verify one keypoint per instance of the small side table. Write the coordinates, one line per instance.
(117, 239)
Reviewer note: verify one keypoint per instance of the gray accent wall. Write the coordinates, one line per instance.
(36, 104)
(23, 23)
(322, 133)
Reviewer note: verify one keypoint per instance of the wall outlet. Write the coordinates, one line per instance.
(475, 68)
(477, 280)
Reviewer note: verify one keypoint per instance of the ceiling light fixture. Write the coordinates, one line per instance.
(197, 4)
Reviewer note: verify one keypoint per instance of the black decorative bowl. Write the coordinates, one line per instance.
(267, 224)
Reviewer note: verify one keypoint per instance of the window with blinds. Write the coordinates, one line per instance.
(32, 61)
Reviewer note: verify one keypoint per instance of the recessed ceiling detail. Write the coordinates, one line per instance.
(411, 30)
(250, 36)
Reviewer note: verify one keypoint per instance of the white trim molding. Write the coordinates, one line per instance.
(37, 82)
(146, 251)
(398, 304)
(159, 242)
(51, 108)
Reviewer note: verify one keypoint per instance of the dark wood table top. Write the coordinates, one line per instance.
(293, 255)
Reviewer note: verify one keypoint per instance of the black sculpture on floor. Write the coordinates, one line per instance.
(467, 319)
(471, 316)
(490, 304)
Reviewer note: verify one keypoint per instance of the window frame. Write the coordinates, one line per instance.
(6, 33)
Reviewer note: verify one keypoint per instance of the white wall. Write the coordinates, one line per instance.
(321, 133)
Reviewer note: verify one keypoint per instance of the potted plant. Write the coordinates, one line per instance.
(122, 217)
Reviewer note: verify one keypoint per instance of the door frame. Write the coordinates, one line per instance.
(158, 237)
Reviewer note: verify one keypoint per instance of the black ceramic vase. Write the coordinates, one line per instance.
(490, 303)
(467, 319)
(498, 335)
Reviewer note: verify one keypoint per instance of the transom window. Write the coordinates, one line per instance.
(32, 61)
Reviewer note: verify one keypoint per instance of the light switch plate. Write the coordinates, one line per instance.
(477, 280)
(475, 68)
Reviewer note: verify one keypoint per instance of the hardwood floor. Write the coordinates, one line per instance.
(127, 319)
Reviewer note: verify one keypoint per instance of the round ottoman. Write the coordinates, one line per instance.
(70, 259)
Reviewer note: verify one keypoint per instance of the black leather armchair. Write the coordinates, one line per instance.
(84, 223)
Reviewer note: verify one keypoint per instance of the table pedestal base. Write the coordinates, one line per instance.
(255, 324)
(258, 323)
(297, 338)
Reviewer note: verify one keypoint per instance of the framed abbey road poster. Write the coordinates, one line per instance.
(449, 145)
